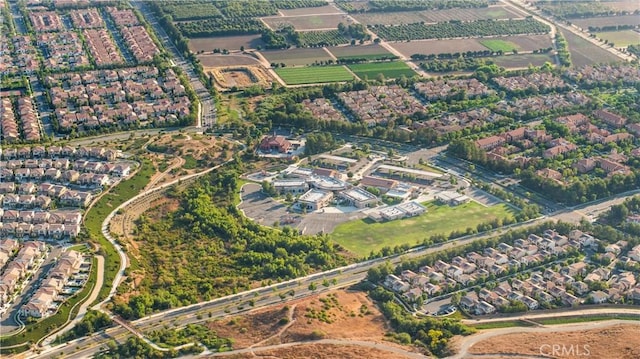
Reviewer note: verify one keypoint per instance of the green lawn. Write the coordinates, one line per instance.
(504, 324)
(499, 45)
(313, 74)
(363, 236)
(620, 38)
(390, 70)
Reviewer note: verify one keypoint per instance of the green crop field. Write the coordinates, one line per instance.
(499, 45)
(389, 70)
(363, 236)
(313, 74)
(620, 38)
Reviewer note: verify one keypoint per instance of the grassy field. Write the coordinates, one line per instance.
(499, 45)
(583, 319)
(314, 74)
(620, 38)
(102, 208)
(390, 70)
(504, 324)
(363, 236)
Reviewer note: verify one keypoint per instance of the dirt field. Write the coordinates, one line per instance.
(227, 60)
(320, 351)
(346, 315)
(529, 42)
(615, 342)
(428, 47)
(307, 22)
(296, 57)
(584, 52)
(328, 9)
(373, 49)
(608, 21)
(521, 61)
(408, 17)
(207, 44)
(239, 77)
(628, 5)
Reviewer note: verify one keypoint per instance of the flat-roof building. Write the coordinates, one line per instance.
(422, 176)
(359, 197)
(452, 198)
(383, 184)
(293, 186)
(315, 199)
(402, 210)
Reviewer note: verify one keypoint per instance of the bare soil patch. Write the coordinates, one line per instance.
(321, 351)
(227, 60)
(345, 315)
(608, 21)
(207, 44)
(615, 342)
(240, 77)
(296, 57)
(428, 47)
(585, 53)
(358, 50)
(529, 42)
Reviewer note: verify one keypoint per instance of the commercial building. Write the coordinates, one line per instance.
(315, 199)
(293, 186)
(359, 197)
(452, 198)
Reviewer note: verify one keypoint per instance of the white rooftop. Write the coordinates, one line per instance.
(358, 194)
(314, 195)
(338, 158)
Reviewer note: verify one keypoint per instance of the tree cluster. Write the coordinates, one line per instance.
(409, 5)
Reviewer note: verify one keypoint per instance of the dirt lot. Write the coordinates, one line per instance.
(207, 44)
(428, 47)
(584, 52)
(321, 351)
(307, 22)
(615, 342)
(521, 60)
(240, 77)
(227, 60)
(345, 315)
(529, 42)
(628, 5)
(373, 49)
(296, 57)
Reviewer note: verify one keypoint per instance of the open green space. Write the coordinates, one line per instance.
(314, 74)
(107, 203)
(585, 318)
(620, 38)
(496, 45)
(389, 70)
(37, 330)
(503, 324)
(363, 236)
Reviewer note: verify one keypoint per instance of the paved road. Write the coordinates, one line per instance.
(207, 110)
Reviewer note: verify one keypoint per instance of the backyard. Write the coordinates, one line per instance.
(363, 236)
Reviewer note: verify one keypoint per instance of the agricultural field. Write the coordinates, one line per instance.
(584, 52)
(428, 47)
(520, 61)
(302, 23)
(620, 38)
(356, 236)
(226, 60)
(369, 52)
(603, 21)
(296, 57)
(443, 30)
(241, 76)
(434, 16)
(313, 74)
(207, 44)
(320, 10)
(322, 38)
(627, 5)
(496, 45)
(390, 70)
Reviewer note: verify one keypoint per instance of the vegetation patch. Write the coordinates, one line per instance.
(192, 333)
(620, 38)
(497, 45)
(389, 70)
(314, 74)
